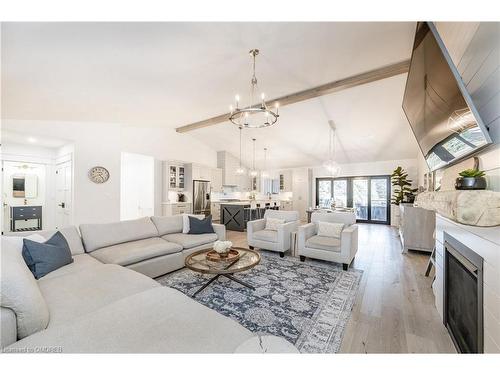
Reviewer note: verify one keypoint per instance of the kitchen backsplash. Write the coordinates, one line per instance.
(245, 195)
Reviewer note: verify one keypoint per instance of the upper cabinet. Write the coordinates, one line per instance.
(174, 175)
(285, 181)
(216, 179)
(200, 172)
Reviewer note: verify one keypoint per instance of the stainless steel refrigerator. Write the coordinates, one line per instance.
(201, 197)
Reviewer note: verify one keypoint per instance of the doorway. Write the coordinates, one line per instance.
(64, 193)
(368, 195)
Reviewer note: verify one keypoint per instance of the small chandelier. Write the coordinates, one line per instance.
(253, 116)
(240, 170)
(331, 165)
(253, 172)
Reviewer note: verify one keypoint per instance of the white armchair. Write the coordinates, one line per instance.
(280, 240)
(341, 250)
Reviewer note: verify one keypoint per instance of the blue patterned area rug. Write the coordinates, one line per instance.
(307, 303)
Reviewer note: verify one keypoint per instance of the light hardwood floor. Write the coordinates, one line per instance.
(394, 310)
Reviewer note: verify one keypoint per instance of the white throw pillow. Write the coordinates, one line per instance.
(273, 224)
(185, 221)
(19, 290)
(330, 229)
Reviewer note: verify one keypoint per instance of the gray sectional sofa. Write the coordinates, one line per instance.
(98, 304)
(152, 246)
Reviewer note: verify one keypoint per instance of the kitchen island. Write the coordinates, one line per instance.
(232, 215)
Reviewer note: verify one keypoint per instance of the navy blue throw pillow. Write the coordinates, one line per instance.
(46, 257)
(200, 226)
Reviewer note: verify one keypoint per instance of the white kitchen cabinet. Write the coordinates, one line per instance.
(173, 176)
(200, 172)
(216, 179)
(177, 208)
(215, 211)
(285, 180)
(244, 182)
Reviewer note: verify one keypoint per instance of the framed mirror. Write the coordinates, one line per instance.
(25, 186)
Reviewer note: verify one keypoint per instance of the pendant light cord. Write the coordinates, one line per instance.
(240, 146)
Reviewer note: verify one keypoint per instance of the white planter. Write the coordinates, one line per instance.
(395, 215)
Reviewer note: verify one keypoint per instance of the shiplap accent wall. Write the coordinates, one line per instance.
(475, 49)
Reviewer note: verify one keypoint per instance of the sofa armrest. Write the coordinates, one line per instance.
(220, 231)
(252, 227)
(304, 233)
(8, 327)
(255, 225)
(285, 234)
(349, 242)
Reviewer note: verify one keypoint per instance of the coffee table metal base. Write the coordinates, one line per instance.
(229, 276)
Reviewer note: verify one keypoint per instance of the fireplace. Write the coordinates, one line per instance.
(463, 296)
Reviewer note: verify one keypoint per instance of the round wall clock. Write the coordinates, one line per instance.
(98, 175)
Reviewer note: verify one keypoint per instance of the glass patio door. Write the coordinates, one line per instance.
(379, 199)
(369, 196)
(360, 198)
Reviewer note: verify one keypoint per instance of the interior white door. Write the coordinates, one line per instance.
(64, 194)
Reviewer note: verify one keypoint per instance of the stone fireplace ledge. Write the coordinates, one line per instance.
(470, 207)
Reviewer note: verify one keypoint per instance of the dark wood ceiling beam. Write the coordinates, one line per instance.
(315, 92)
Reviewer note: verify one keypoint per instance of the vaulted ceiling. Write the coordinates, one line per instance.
(172, 74)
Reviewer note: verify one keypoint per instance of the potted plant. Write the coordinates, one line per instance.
(471, 179)
(403, 193)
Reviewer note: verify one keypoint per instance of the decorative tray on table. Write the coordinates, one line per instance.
(214, 256)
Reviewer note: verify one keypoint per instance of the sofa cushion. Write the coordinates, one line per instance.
(43, 258)
(80, 263)
(19, 290)
(96, 236)
(76, 294)
(324, 243)
(159, 320)
(135, 251)
(168, 224)
(188, 241)
(266, 235)
(72, 237)
(200, 226)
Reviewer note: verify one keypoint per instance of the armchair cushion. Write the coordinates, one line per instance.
(266, 235)
(273, 223)
(324, 243)
(330, 229)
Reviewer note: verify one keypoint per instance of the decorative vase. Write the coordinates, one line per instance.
(222, 248)
(470, 183)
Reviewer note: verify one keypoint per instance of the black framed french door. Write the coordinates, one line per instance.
(368, 195)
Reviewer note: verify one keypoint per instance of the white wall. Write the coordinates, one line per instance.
(102, 144)
(137, 190)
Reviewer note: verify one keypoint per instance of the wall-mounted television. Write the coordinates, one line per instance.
(437, 105)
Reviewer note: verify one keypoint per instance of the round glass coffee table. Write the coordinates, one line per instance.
(198, 262)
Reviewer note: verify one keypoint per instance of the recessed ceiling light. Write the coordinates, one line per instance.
(31, 140)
